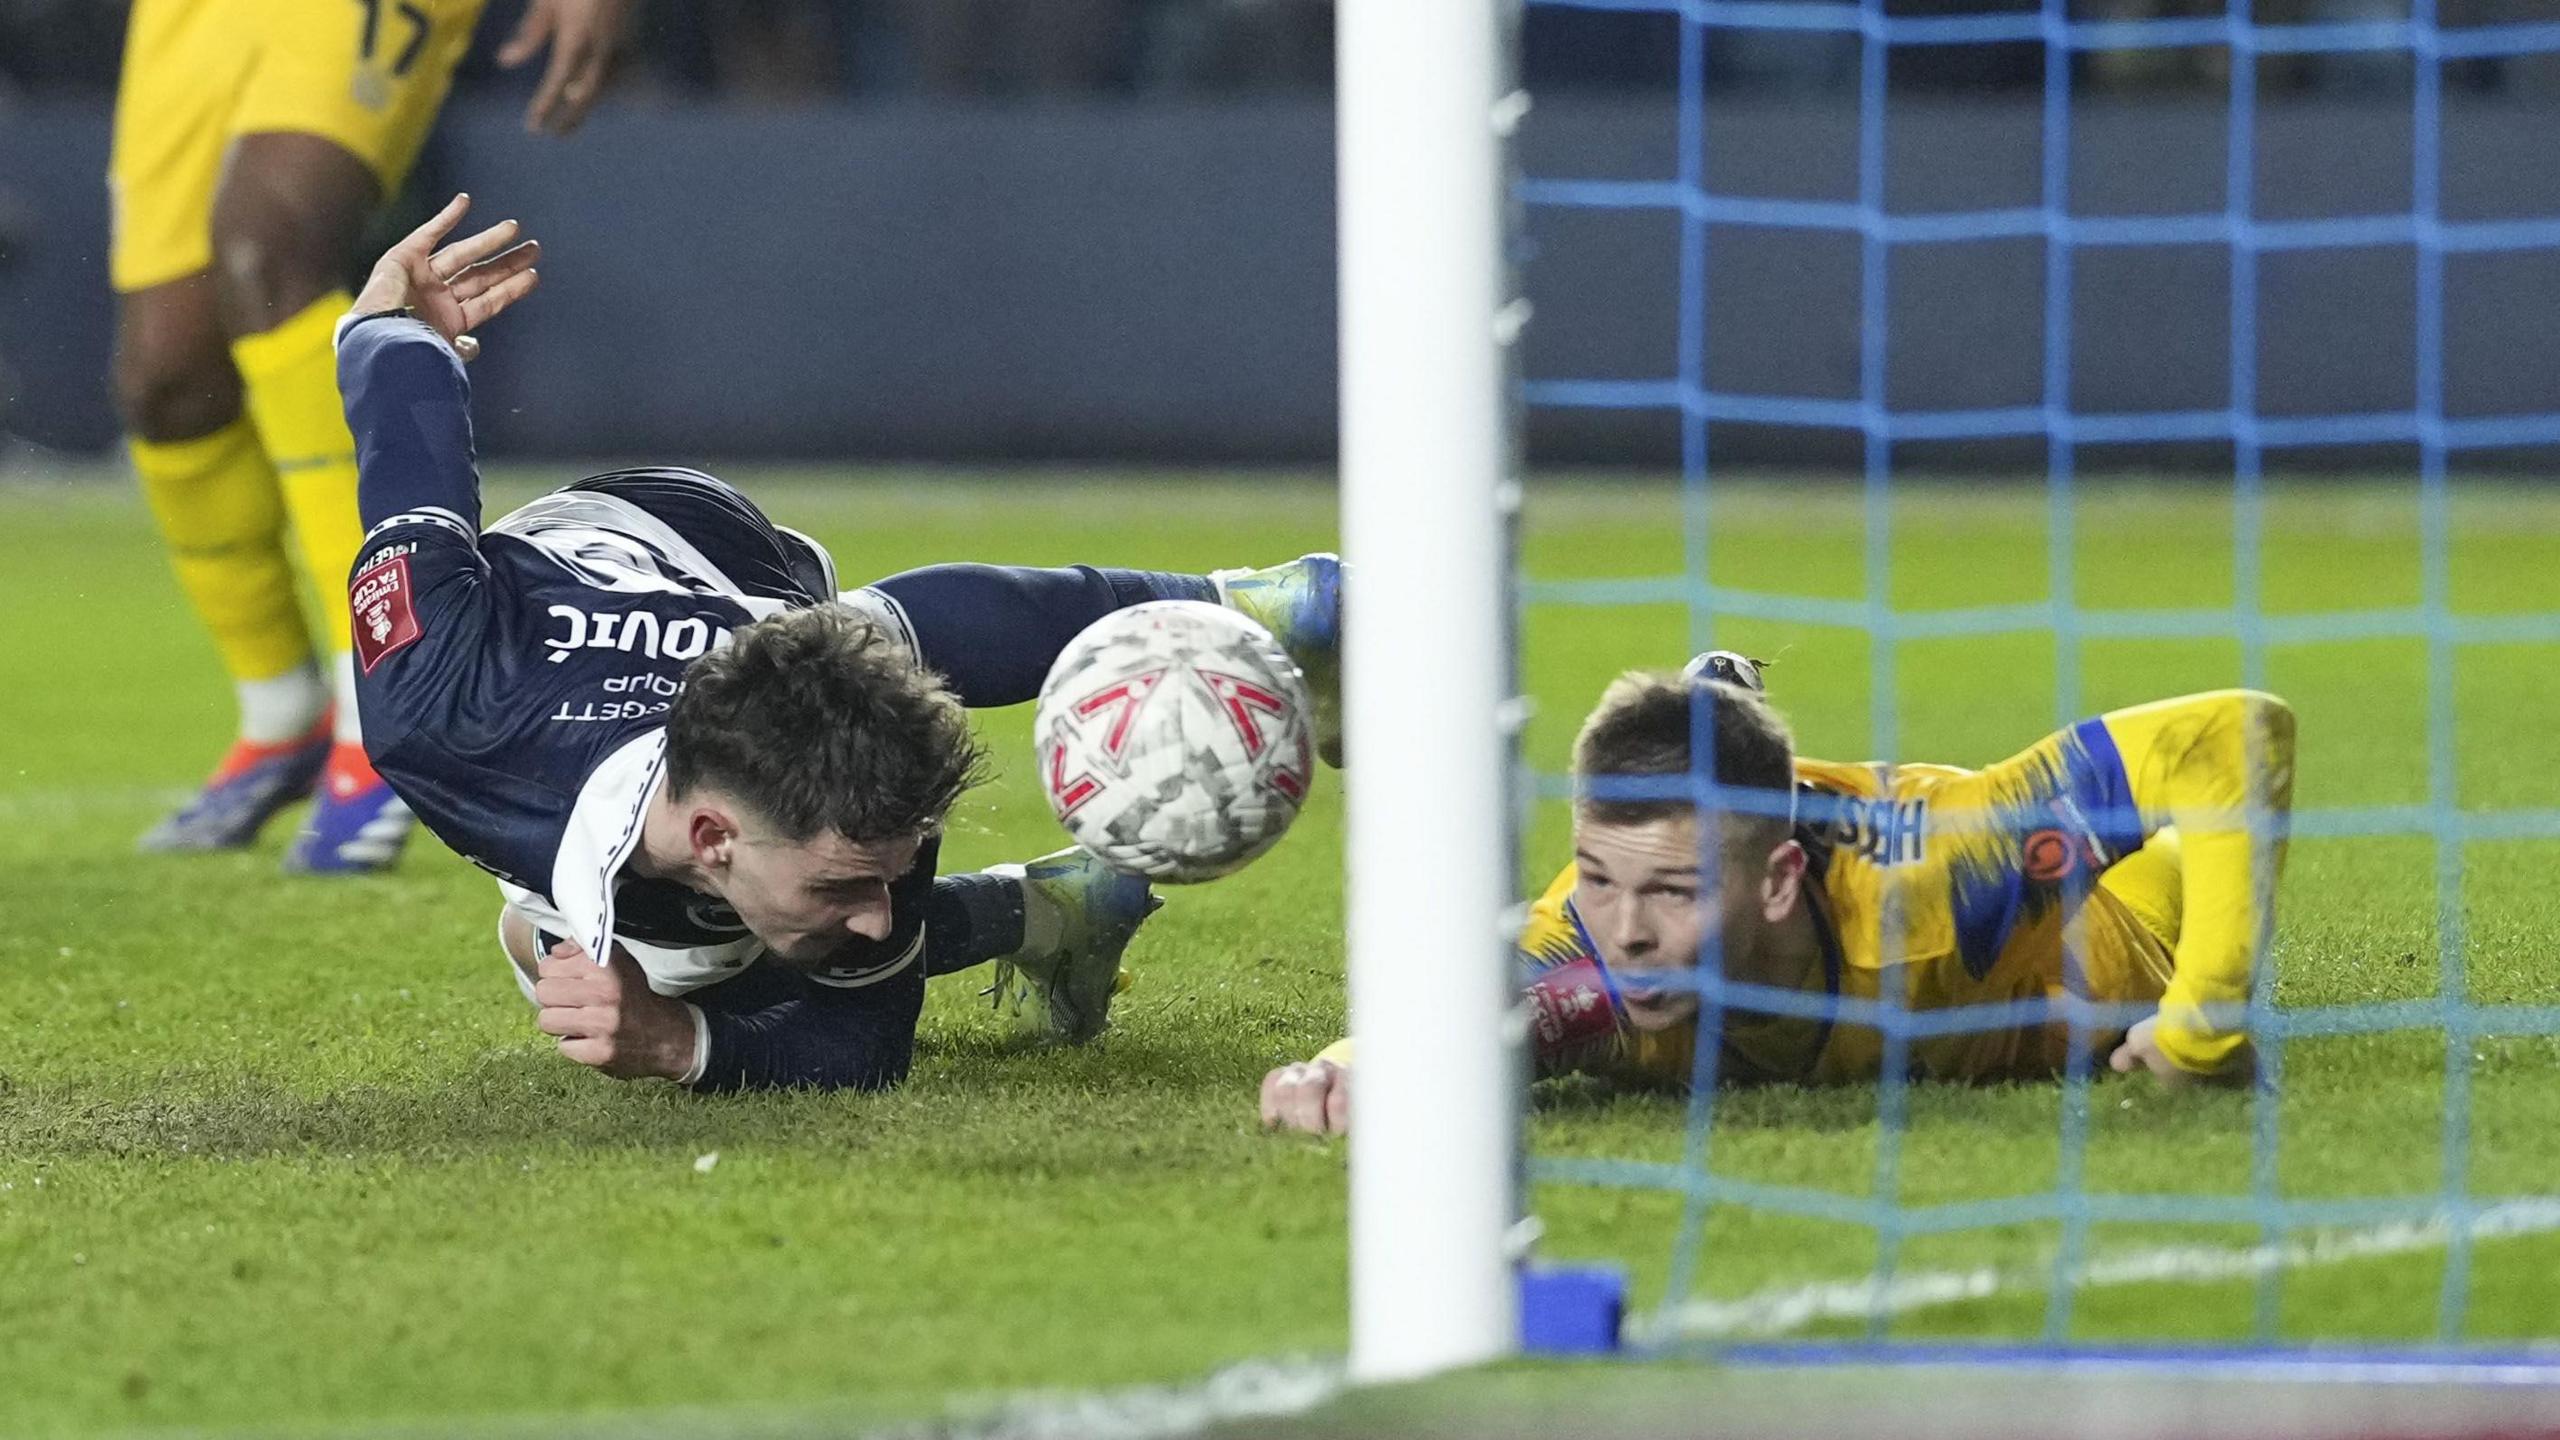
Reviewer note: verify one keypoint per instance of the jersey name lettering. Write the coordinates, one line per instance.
(632, 631)
(1883, 832)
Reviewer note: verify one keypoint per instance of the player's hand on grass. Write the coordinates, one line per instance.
(456, 289)
(607, 1016)
(1312, 1095)
(582, 35)
(2141, 1051)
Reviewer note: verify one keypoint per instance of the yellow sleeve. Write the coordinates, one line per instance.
(2202, 763)
(1339, 1052)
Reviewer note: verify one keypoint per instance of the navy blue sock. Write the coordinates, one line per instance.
(969, 920)
(994, 630)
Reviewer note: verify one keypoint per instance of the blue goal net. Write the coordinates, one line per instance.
(2052, 282)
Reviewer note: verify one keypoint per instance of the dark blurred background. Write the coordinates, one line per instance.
(781, 52)
(1100, 230)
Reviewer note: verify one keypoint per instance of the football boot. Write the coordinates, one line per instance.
(1300, 603)
(1098, 910)
(356, 825)
(252, 783)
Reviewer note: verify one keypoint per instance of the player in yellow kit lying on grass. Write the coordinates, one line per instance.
(2114, 860)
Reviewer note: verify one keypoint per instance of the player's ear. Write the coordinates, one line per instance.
(713, 833)
(1782, 882)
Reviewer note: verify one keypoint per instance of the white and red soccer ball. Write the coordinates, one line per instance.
(1175, 740)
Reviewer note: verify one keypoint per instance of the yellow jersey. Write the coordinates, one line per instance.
(2114, 860)
(198, 74)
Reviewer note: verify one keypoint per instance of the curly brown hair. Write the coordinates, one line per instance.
(823, 724)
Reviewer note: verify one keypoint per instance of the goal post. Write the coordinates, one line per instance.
(1423, 92)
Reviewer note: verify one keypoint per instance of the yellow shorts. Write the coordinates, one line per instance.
(367, 74)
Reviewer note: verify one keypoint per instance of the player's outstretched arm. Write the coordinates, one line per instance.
(399, 366)
(1574, 1026)
(2207, 764)
(2202, 763)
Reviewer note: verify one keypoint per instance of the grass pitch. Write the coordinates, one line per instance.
(283, 1151)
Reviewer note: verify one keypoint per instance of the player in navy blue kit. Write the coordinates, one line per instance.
(711, 785)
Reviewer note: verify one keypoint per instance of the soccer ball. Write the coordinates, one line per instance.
(1175, 740)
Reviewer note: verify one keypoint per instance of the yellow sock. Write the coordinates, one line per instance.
(215, 499)
(291, 375)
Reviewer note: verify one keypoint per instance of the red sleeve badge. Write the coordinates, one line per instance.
(1570, 1007)
(386, 619)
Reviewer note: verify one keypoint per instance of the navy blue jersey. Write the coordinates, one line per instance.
(515, 682)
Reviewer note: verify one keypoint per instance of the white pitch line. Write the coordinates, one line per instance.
(1783, 1310)
(1248, 1390)
(71, 804)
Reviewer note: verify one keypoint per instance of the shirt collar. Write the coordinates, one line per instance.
(603, 830)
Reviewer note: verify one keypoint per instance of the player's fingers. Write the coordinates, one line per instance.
(562, 1020)
(542, 115)
(530, 33)
(2123, 1062)
(475, 279)
(1306, 1100)
(462, 254)
(488, 306)
(588, 1051)
(576, 989)
(1280, 1091)
(1306, 1111)
(1337, 1103)
(1274, 1085)
(592, 52)
(422, 241)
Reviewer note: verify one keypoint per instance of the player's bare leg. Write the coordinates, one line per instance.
(173, 375)
(214, 496)
(286, 220)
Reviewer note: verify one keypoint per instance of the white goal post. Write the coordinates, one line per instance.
(1423, 98)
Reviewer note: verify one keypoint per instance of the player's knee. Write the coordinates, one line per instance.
(285, 225)
(268, 271)
(167, 394)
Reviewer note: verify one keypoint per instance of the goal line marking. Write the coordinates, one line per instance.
(1247, 1390)
(1784, 1310)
